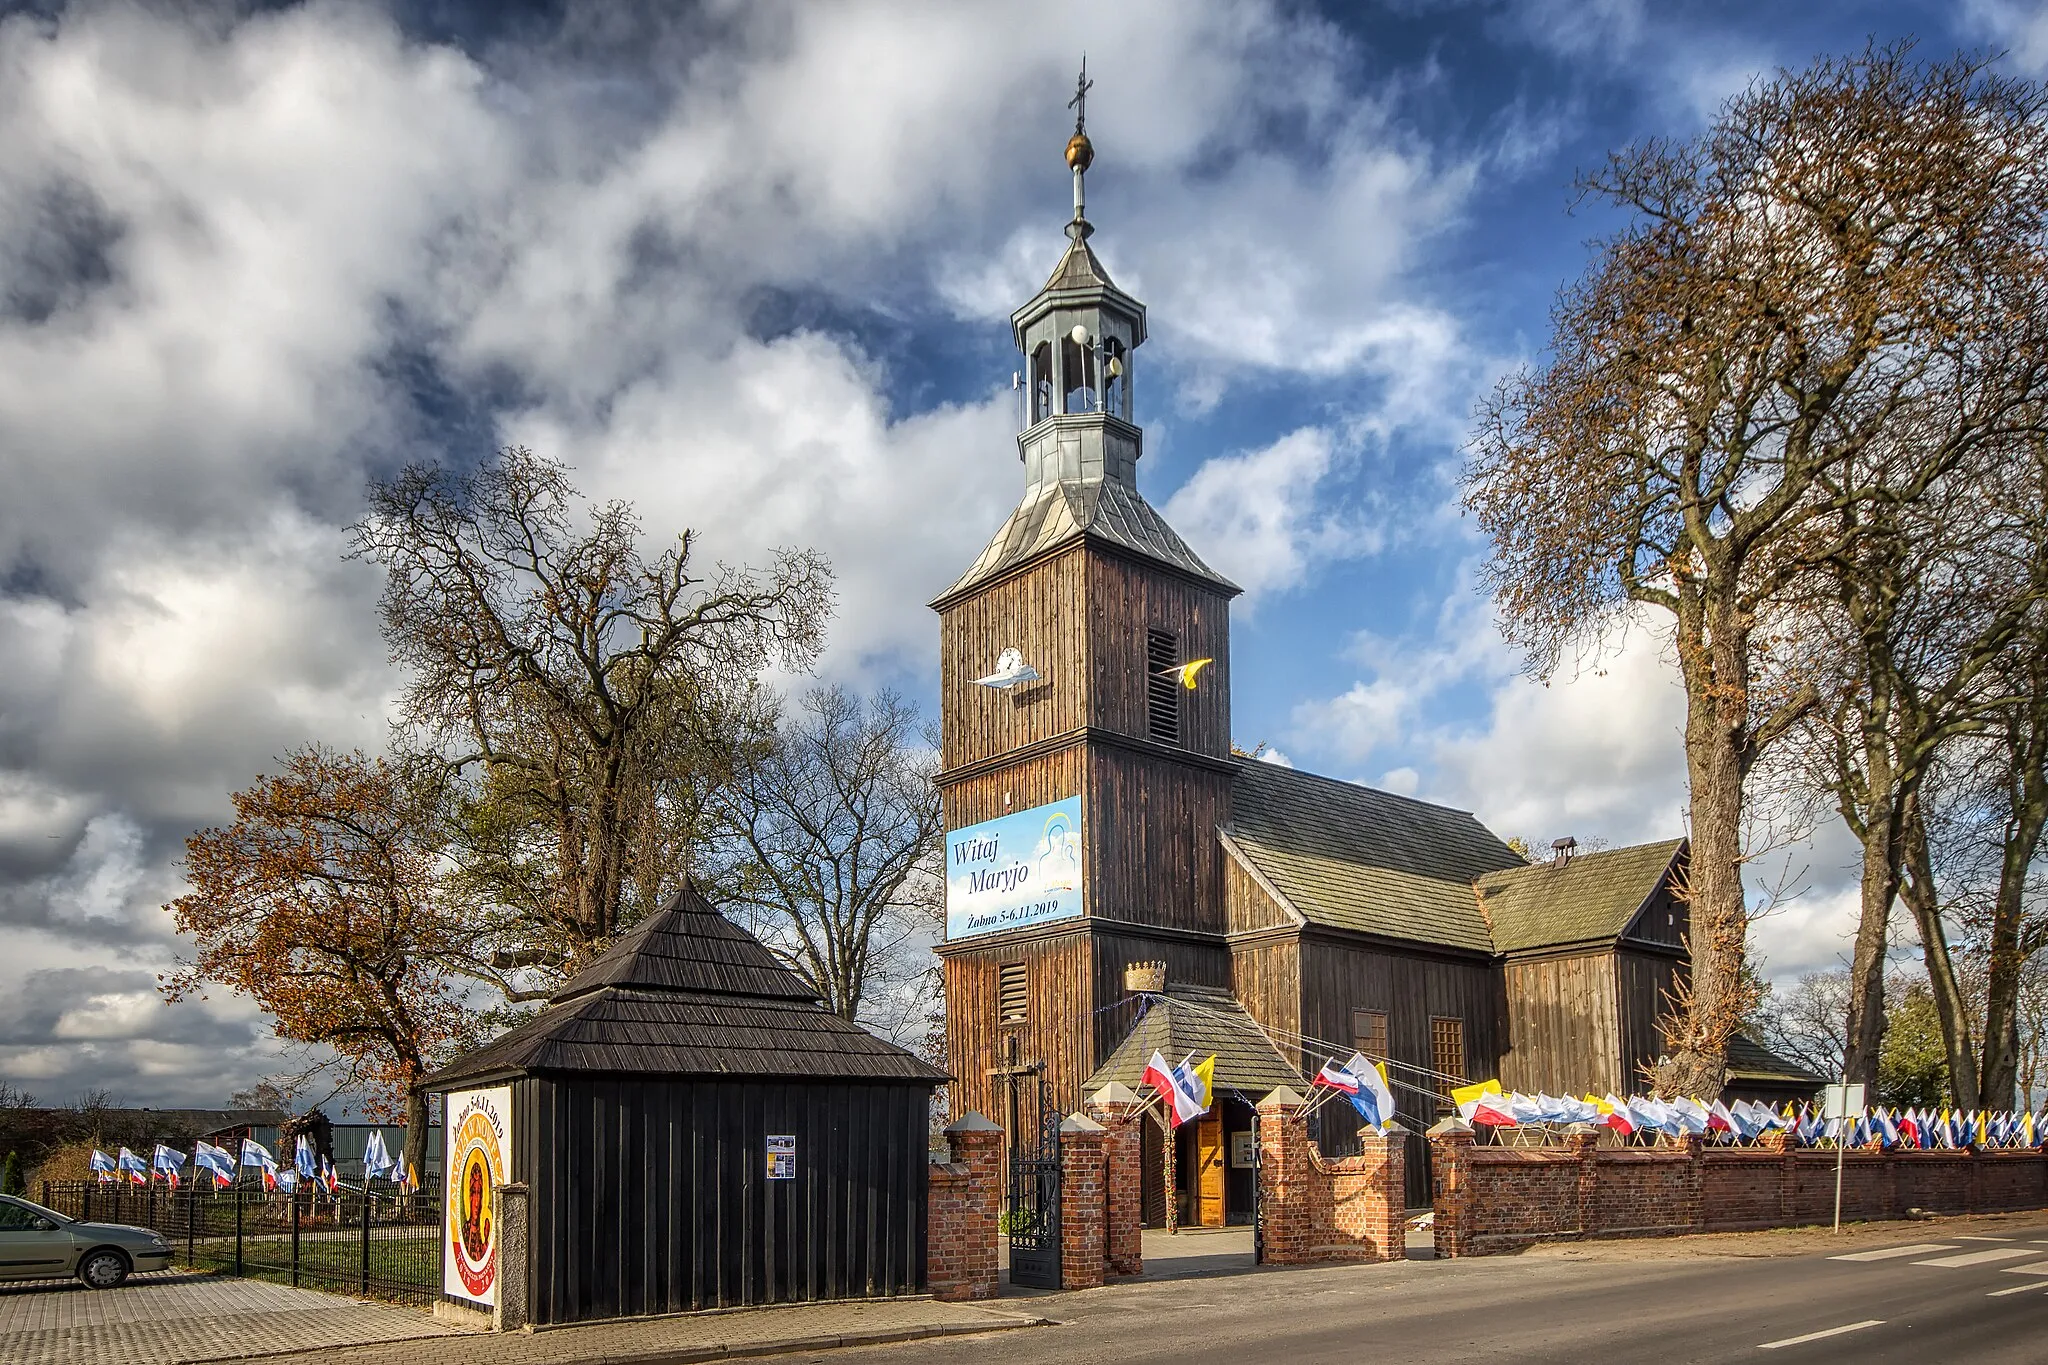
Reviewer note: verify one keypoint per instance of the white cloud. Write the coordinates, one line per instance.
(2021, 28)
(1266, 517)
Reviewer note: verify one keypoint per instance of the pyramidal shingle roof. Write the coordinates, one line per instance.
(1079, 268)
(1199, 1020)
(1108, 510)
(688, 993)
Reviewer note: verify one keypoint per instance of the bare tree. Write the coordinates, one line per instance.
(595, 693)
(1787, 284)
(1803, 1023)
(830, 841)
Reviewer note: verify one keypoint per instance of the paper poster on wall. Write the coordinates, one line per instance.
(477, 1160)
(1021, 869)
(782, 1156)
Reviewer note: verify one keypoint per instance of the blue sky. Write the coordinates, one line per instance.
(749, 265)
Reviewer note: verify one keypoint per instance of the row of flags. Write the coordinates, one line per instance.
(1363, 1083)
(168, 1164)
(1486, 1105)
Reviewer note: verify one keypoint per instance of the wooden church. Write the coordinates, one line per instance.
(1110, 857)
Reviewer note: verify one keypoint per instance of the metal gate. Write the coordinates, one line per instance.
(1033, 1217)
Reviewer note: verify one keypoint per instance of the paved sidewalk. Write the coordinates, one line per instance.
(703, 1336)
(181, 1316)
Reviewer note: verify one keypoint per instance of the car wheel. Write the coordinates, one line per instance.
(103, 1269)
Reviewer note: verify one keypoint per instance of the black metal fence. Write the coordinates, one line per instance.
(374, 1245)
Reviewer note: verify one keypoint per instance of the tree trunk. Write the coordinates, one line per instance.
(1950, 1008)
(2000, 1073)
(1715, 727)
(1864, 1033)
(416, 1132)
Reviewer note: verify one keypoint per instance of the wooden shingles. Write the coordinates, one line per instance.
(688, 993)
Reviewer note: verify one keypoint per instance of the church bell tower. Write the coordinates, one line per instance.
(1085, 709)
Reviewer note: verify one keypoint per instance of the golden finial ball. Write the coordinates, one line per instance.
(1080, 152)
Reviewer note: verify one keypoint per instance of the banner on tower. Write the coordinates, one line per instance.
(1022, 869)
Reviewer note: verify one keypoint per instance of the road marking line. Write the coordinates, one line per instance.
(2037, 1268)
(1831, 1332)
(1966, 1237)
(1914, 1250)
(1979, 1257)
(2016, 1289)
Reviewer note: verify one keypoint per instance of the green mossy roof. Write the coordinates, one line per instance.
(1199, 1020)
(1592, 896)
(1356, 858)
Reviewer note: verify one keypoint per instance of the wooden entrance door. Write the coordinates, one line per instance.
(1209, 1170)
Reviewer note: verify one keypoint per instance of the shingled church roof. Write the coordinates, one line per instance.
(1199, 1020)
(688, 993)
(1355, 858)
(1591, 896)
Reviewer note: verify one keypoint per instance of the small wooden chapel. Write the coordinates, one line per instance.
(1116, 874)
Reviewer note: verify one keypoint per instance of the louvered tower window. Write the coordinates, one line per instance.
(1013, 993)
(1162, 686)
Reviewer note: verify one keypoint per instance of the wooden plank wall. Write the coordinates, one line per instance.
(1192, 963)
(1040, 612)
(648, 1194)
(1563, 1032)
(1020, 786)
(1266, 978)
(1060, 979)
(1246, 906)
(1153, 855)
(1664, 920)
(1643, 981)
(1127, 598)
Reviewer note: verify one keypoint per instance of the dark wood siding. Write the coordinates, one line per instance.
(1663, 921)
(1039, 612)
(1153, 855)
(1124, 600)
(1645, 981)
(1061, 992)
(1246, 905)
(1342, 975)
(1030, 782)
(1266, 978)
(651, 1196)
(1563, 1029)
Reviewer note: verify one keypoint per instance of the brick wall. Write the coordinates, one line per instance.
(1313, 1208)
(1084, 1202)
(965, 1196)
(1492, 1199)
(1123, 1160)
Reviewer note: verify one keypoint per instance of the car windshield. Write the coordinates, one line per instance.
(38, 1211)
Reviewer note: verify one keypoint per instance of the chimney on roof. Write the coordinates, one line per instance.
(1145, 978)
(1561, 850)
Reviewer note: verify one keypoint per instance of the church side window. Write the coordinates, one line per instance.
(1013, 993)
(1041, 382)
(1369, 1033)
(1162, 686)
(1447, 1053)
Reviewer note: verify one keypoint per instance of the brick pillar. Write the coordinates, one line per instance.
(1780, 1141)
(964, 1197)
(1386, 1220)
(1450, 1143)
(1121, 1115)
(1583, 1142)
(1694, 1214)
(1285, 1177)
(1083, 1202)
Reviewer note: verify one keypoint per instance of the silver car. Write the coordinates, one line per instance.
(38, 1243)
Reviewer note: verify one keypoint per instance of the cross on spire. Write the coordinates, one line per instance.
(1079, 104)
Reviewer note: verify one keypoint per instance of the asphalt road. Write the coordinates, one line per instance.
(1981, 1307)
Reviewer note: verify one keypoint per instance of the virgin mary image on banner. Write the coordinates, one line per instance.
(478, 1152)
(1059, 856)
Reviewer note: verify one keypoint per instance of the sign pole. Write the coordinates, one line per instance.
(1841, 1101)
